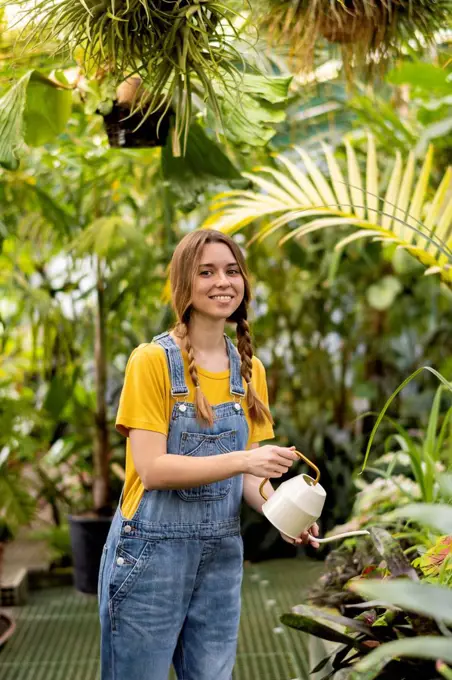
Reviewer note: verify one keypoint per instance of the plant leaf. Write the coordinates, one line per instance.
(391, 399)
(428, 647)
(313, 627)
(423, 598)
(47, 110)
(317, 614)
(435, 515)
(12, 106)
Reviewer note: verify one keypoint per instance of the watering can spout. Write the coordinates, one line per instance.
(339, 537)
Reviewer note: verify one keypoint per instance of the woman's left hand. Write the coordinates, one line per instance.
(304, 538)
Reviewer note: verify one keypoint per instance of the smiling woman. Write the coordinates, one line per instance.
(194, 409)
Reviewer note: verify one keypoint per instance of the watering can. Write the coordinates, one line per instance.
(297, 504)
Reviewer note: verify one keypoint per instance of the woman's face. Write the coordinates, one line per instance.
(218, 286)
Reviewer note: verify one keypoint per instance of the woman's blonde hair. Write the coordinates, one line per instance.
(183, 270)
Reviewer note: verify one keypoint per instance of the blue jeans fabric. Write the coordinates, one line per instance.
(170, 577)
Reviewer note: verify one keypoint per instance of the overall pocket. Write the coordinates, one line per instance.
(130, 558)
(203, 445)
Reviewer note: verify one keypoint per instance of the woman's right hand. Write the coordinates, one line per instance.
(269, 460)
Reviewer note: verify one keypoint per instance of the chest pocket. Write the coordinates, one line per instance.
(203, 445)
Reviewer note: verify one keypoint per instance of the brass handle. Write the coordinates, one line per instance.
(306, 460)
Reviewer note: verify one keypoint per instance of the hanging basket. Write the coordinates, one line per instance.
(346, 29)
(134, 131)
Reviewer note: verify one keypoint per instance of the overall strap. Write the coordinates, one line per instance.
(175, 364)
(235, 373)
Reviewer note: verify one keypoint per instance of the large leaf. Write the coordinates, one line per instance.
(274, 89)
(428, 647)
(47, 110)
(392, 553)
(204, 163)
(395, 215)
(435, 515)
(250, 117)
(317, 614)
(12, 106)
(311, 625)
(34, 110)
(424, 76)
(422, 598)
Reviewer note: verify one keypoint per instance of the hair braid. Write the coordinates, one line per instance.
(204, 411)
(257, 409)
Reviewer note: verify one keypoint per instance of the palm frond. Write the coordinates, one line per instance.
(409, 213)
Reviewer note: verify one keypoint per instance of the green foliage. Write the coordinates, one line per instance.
(17, 507)
(422, 458)
(406, 215)
(34, 111)
(12, 105)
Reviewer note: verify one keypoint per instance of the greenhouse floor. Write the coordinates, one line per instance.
(57, 634)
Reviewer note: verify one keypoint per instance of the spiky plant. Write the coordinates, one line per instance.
(177, 47)
(368, 30)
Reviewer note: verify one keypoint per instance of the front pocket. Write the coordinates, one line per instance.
(130, 559)
(203, 445)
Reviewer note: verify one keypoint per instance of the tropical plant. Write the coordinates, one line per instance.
(378, 638)
(422, 459)
(413, 219)
(422, 452)
(17, 507)
(367, 30)
(178, 51)
(387, 623)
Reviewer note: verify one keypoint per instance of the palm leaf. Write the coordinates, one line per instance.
(407, 212)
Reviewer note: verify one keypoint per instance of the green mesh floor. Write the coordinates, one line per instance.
(57, 635)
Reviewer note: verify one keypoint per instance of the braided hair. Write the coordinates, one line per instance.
(183, 269)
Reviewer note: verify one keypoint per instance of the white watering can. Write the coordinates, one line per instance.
(297, 504)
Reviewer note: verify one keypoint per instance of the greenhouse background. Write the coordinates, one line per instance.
(318, 134)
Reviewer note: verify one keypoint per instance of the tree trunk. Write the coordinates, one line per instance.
(101, 491)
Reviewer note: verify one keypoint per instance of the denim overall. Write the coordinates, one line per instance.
(170, 577)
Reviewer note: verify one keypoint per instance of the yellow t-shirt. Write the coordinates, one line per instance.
(146, 403)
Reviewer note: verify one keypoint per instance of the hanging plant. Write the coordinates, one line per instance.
(127, 121)
(368, 31)
(177, 47)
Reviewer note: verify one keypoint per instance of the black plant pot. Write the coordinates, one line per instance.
(130, 131)
(88, 536)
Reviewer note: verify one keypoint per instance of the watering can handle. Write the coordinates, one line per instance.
(306, 460)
